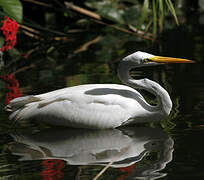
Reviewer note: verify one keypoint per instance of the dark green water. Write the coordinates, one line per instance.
(171, 150)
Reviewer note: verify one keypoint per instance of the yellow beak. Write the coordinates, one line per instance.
(162, 59)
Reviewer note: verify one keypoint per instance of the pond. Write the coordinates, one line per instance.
(171, 149)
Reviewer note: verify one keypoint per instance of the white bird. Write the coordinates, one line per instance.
(100, 106)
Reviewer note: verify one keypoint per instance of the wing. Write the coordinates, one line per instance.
(86, 106)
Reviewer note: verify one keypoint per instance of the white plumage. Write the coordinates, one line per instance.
(99, 106)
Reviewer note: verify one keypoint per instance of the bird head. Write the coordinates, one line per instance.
(143, 58)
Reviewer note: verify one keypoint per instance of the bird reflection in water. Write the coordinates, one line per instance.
(125, 147)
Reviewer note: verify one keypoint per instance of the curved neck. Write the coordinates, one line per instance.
(164, 101)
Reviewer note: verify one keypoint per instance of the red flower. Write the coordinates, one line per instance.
(52, 169)
(128, 171)
(9, 29)
(13, 86)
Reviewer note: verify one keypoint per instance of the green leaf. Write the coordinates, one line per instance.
(1, 41)
(154, 18)
(172, 10)
(13, 8)
(161, 15)
(131, 16)
(107, 9)
(144, 12)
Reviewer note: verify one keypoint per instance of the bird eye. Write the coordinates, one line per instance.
(147, 60)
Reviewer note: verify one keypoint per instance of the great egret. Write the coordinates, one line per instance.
(100, 106)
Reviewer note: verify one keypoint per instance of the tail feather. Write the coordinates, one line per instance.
(22, 113)
(14, 114)
(20, 102)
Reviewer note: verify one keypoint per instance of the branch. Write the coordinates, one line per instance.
(82, 11)
(98, 19)
(86, 45)
(39, 3)
(122, 152)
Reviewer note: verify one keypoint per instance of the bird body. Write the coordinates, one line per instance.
(86, 106)
(97, 106)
